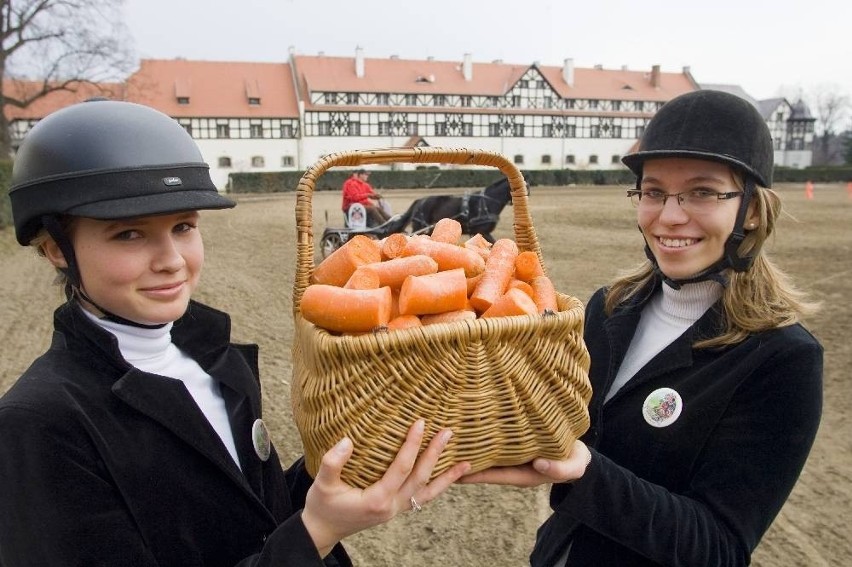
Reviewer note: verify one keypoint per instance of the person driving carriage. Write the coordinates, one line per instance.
(356, 189)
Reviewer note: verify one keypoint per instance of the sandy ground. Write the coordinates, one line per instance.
(586, 234)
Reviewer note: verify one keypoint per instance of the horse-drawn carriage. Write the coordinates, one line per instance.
(477, 212)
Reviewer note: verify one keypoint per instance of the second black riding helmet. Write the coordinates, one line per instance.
(716, 126)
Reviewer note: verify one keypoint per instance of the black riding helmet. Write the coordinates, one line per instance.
(105, 160)
(716, 126)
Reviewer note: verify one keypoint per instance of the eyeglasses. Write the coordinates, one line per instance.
(696, 201)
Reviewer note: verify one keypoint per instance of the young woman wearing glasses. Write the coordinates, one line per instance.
(707, 389)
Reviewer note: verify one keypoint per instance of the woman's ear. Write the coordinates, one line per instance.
(53, 253)
(752, 219)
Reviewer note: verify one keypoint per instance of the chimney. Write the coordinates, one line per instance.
(359, 62)
(655, 76)
(568, 72)
(467, 67)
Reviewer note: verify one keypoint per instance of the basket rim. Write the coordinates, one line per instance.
(525, 235)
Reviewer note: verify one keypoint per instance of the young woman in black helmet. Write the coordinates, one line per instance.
(136, 439)
(707, 389)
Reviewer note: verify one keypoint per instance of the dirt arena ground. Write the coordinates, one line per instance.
(586, 233)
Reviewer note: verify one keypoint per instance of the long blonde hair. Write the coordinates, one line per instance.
(758, 299)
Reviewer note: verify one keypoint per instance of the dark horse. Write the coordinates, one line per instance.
(477, 212)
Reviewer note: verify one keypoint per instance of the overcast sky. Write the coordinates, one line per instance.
(769, 48)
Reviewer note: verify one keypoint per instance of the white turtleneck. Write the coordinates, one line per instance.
(666, 316)
(153, 351)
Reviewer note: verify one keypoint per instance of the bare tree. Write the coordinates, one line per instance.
(53, 45)
(831, 107)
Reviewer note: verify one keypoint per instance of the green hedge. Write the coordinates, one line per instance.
(5, 205)
(441, 178)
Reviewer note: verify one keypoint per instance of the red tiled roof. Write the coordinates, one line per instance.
(40, 108)
(214, 88)
(610, 84)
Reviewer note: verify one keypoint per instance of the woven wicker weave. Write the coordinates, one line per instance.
(511, 388)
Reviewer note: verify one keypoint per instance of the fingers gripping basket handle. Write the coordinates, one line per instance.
(525, 236)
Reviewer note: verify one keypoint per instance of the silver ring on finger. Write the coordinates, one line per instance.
(415, 506)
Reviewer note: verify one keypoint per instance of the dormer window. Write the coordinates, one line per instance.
(183, 100)
(254, 101)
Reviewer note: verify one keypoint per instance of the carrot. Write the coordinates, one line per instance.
(448, 317)
(394, 303)
(404, 322)
(342, 310)
(394, 271)
(447, 230)
(433, 293)
(498, 273)
(364, 277)
(544, 294)
(513, 302)
(471, 283)
(521, 285)
(448, 256)
(478, 244)
(528, 266)
(393, 245)
(340, 264)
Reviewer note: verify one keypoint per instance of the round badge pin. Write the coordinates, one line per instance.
(260, 440)
(662, 407)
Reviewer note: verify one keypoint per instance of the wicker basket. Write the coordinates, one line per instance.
(511, 388)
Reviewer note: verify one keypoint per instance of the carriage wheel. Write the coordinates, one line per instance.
(329, 243)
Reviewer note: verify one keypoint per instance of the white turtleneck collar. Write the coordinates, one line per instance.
(664, 318)
(152, 350)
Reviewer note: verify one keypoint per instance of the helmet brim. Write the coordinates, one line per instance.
(150, 205)
(636, 161)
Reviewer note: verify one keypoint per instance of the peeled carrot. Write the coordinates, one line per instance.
(447, 230)
(448, 256)
(528, 266)
(364, 277)
(393, 245)
(521, 285)
(394, 304)
(394, 271)
(478, 244)
(404, 322)
(341, 264)
(433, 293)
(342, 310)
(498, 273)
(471, 283)
(513, 302)
(448, 317)
(544, 294)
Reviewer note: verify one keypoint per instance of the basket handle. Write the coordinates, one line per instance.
(525, 235)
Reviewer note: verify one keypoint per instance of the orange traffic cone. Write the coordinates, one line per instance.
(809, 190)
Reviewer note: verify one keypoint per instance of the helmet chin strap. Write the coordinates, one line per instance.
(74, 285)
(730, 257)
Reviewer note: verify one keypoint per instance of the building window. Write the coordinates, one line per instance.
(616, 131)
(410, 100)
(467, 129)
(570, 131)
(569, 103)
(494, 130)
(287, 161)
(439, 100)
(569, 158)
(223, 131)
(518, 130)
(384, 128)
(516, 101)
(324, 128)
(188, 128)
(519, 159)
(183, 100)
(616, 158)
(593, 159)
(383, 99)
(254, 101)
(545, 159)
(354, 128)
(256, 131)
(493, 102)
(639, 131)
(548, 102)
(286, 130)
(351, 98)
(224, 162)
(595, 131)
(616, 105)
(257, 161)
(593, 104)
(411, 128)
(440, 128)
(466, 101)
(547, 130)
(640, 105)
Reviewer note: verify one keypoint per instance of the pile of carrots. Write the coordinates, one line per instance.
(408, 281)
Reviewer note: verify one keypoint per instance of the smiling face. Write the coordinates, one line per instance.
(684, 244)
(143, 270)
